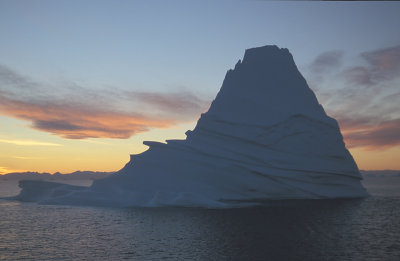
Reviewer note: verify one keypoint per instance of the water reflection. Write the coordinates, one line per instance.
(359, 229)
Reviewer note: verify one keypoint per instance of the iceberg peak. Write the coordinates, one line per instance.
(267, 54)
(265, 88)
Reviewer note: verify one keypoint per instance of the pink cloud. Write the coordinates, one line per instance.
(382, 65)
(384, 60)
(367, 134)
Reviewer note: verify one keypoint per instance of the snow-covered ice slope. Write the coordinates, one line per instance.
(264, 137)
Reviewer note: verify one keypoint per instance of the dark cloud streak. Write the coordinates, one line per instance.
(327, 61)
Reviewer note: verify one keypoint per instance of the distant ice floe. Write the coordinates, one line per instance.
(264, 137)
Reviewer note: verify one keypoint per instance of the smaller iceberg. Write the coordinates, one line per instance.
(264, 137)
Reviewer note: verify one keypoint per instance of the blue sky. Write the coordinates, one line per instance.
(170, 44)
(160, 63)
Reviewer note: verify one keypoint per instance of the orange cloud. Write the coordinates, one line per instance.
(74, 122)
(74, 112)
(371, 136)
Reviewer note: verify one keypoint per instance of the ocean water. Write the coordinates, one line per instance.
(358, 229)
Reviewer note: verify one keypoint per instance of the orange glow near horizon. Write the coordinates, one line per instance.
(386, 159)
(44, 152)
(113, 156)
(115, 159)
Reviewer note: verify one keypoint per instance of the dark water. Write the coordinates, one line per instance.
(364, 229)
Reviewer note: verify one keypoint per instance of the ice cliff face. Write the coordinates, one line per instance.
(264, 137)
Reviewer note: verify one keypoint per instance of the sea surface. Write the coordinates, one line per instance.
(358, 229)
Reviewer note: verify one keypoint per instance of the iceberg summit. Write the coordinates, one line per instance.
(264, 137)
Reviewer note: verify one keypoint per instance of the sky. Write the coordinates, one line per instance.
(84, 83)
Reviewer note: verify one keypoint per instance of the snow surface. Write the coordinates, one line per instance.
(265, 137)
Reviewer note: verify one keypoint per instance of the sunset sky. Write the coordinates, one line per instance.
(84, 83)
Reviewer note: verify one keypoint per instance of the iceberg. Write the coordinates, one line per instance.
(264, 137)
